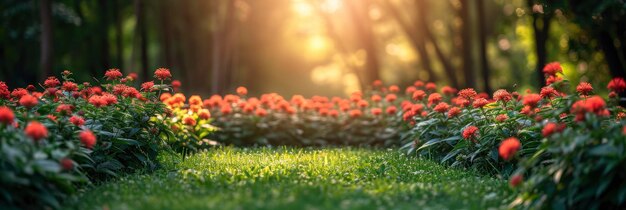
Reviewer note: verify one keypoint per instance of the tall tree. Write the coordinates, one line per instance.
(541, 28)
(103, 34)
(484, 63)
(47, 47)
(362, 23)
(466, 44)
(142, 36)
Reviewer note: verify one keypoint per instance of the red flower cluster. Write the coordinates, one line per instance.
(480, 103)
(593, 104)
(502, 95)
(36, 130)
(162, 74)
(453, 112)
(470, 133)
(51, 82)
(28, 101)
(552, 128)
(617, 85)
(4, 91)
(87, 138)
(584, 88)
(77, 121)
(552, 69)
(532, 100)
(6, 115)
(441, 107)
(468, 93)
(509, 147)
(242, 91)
(113, 74)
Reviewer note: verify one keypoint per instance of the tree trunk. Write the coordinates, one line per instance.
(616, 66)
(119, 52)
(362, 24)
(466, 47)
(445, 61)
(143, 39)
(104, 35)
(480, 5)
(541, 27)
(45, 12)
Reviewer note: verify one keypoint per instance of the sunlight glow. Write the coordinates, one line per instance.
(302, 8)
(318, 43)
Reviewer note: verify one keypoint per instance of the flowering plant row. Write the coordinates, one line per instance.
(570, 144)
(69, 133)
(363, 119)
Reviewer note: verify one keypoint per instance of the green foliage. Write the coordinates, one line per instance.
(286, 178)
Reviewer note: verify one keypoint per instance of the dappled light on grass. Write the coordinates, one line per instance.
(287, 178)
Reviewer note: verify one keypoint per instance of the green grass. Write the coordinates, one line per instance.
(287, 178)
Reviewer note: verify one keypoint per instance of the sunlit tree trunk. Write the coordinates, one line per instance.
(362, 23)
(541, 28)
(45, 12)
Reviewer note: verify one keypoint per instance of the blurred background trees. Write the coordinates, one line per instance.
(315, 46)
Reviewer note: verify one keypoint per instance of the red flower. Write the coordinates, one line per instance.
(418, 95)
(453, 112)
(410, 90)
(468, 93)
(69, 86)
(147, 86)
(4, 90)
(548, 92)
(189, 121)
(584, 88)
(113, 74)
(553, 79)
(87, 138)
(612, 94)
(376, 111)
(431, 86)
(97, 101)
(480, 103)
(531, 100)
(552, 68)
(624, 130)
(77, 121)
(6, 115)
(28, 101)
(617, 85)
(394, 89)
(502, 117)
(355, 113)
(260, 112)
(509, 147)
(67, 164)
(391, 98)
(502, 95)
(133, 76)
(551, 128)
(226, 109)
(441, 107)
(516, 180)
(36, 130)
(19, 92)
(377, 83)
(593, 104)
(434, 98)
(162, 74)
(470, 132)
(376, 98)
(418, 84)
(391, 110)
(52, 82)
(242, 91)
(65, 109)
(447, 90)
(176, 85)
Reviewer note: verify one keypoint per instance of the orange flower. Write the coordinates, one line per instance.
(28, 101)
(36, 130)
(376, 111)
(480, 103)
(468, 93)
(418, 95)
(509, 147)
(260, 112)
(434, 98)
(242, 91)
(6, 115)
(394, 88)
(431, 86)
(162, 74)
(548, 92)
(204, 114)
(502, 117)
(593, 104)
(391, 98)
(447, 90)
(189, 121)
(147, 86)
(441, 107)
(355, 113)
(551, 128)
(453, 112)
(176, 85)
(69, 86)
(376, 98)
(87, 138)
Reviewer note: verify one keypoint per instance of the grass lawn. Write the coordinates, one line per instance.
(287, 178)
